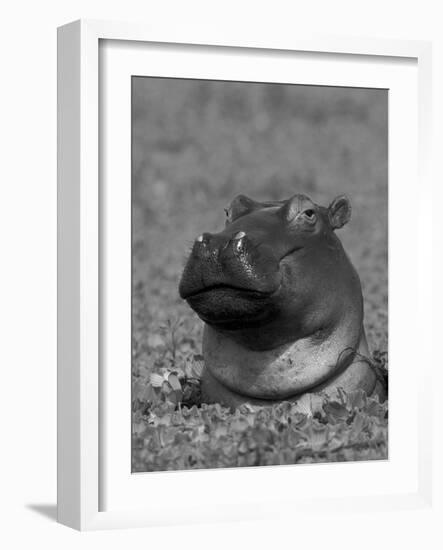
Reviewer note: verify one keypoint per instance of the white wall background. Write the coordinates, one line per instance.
(28, 263)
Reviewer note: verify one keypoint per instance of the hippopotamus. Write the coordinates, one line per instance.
(281, 302)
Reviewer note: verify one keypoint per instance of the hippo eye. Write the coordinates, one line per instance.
(310, 215)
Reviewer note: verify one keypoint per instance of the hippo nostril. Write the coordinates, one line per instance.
(238, 241)
(204, 238)
(201, 244)
(238, 245)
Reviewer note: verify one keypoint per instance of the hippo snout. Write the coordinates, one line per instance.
(229, 276)
(234, 261)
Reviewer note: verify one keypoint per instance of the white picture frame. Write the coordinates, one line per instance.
(83, 396)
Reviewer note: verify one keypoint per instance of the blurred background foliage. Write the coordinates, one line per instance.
(196, 144)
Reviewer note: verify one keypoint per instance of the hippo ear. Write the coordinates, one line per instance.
(240, 206)
(339, 212)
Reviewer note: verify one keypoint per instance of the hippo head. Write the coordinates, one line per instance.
(273, 274)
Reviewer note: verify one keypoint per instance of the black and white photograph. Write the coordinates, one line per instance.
(222, 264)
(259, 274)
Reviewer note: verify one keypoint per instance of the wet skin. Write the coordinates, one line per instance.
(281, 301)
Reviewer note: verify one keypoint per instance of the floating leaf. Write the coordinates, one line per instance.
(148, 394)
(174, 382)
(318, 436)
(304, 404)
(156, 380)
(335, 410)
(356, 399)
(197, 366)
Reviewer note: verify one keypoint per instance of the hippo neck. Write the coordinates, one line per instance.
(286, 370)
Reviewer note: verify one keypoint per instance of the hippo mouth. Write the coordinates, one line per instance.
(226, 287)
(230, 307)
